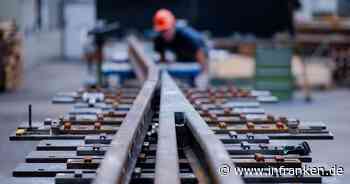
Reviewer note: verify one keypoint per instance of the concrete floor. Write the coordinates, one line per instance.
(45, 75)
(332, 108)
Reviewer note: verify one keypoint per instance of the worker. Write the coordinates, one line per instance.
(186, 43)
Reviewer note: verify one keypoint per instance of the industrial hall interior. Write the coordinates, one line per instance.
(174, 92)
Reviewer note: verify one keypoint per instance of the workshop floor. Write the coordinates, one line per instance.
(45, 75)
(332, 108)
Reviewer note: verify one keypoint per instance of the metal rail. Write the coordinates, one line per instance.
(213, 150)
(143, 67)
(120, 160)
(167, 161)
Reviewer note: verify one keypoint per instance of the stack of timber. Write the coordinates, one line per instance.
(11, 59)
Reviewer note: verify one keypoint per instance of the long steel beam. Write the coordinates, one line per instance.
(216, 156)
(167, 160)
(143, 66)
(120, 160)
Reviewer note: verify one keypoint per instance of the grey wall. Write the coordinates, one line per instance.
(52, 14)
(22, 11)
(344, 8)
(27, 15)
(25, 12)
(9, 9)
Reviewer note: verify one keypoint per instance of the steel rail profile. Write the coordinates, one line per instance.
(215, 154)
(167, 160)
(142, 65)
(120, 160)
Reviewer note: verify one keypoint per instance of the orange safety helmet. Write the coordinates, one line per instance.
(163, 20)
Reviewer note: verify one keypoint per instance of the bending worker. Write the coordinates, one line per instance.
(186, 43)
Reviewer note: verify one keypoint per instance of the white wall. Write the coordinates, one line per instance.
(79, 17)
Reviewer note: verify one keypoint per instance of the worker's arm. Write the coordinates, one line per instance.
(202, 60)
(162, 58)
(159, 48)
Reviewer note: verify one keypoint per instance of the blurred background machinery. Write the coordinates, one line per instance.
(319, 28)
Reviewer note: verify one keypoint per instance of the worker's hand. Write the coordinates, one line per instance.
(203, 61)
(165, 61)
(162, 58)
(202, 80)
(205, 71)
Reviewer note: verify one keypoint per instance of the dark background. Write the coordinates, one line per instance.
(222, 18)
